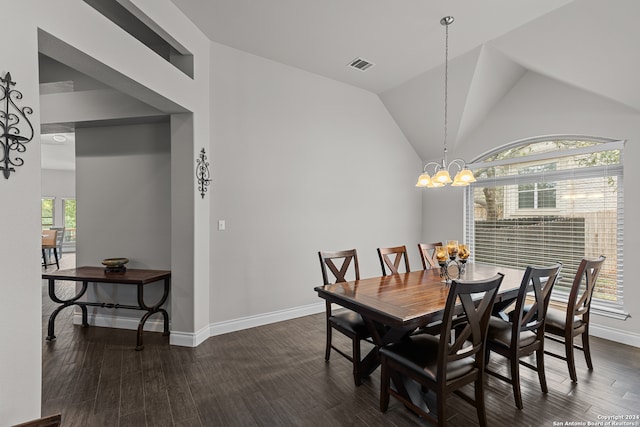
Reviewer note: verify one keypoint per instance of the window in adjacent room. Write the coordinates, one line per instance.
(545, 200)
(69, 208)
(47, 211)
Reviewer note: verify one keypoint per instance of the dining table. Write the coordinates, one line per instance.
(396, 305)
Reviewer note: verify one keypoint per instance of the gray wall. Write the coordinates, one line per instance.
(123, 193)
(300, 164)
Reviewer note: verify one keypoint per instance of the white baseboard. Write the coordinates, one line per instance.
(193, 339)
(617, 335)
(104, 321)
(264, 319)
(187, 339)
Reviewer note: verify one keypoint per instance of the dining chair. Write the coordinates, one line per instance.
(523, 333)
(574, 319)
(59, 238)
(348, 322)
(436, 363)
(400, 253)
(49, 242)
(427, 255)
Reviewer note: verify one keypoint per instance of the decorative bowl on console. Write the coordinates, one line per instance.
(115, 265)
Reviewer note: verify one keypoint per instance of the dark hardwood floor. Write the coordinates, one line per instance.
(275, 375)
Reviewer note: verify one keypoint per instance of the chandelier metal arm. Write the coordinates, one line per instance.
(459, 163)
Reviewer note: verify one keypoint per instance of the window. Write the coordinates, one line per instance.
(537, 195)
(69, 207)
(546, 200)
(46, 205)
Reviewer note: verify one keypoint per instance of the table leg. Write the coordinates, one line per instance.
(381, 335)
(412, 392)
(64, 304)
(152, 310)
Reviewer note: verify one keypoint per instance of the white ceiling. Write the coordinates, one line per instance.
(403, 38)
(590, 44)
(58, 153)
(593, 45)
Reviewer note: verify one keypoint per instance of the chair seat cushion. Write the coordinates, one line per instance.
(500, 333)
(420, 353)
(557, 319)
(350, 321)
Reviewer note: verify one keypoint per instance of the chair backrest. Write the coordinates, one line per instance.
(49, 238)
(471, 339)
(400, 252)
(427, 254)
(582, 289)
(534, 293)
(339, 274)
(59, 236)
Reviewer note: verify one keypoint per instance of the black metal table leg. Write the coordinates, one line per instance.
(64, 304)
(152, 310)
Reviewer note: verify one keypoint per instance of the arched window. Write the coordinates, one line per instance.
(543, 200)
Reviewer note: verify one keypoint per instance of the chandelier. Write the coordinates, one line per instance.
(441, 175)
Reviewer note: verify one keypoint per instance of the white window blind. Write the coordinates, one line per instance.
(542, 201)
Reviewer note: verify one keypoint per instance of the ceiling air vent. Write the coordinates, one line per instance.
(361, 64)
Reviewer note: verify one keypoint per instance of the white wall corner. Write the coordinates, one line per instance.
(189, 339)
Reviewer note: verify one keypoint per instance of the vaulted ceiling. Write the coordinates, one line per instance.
(593, 45)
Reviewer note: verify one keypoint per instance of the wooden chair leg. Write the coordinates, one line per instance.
(55, 254)
(482, 415)
(541, 374)
(442, 413)
(586, 349)
(515, 381)
(327, 350)
(356, 361)
(571, 362)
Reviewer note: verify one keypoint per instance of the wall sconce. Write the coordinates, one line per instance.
(202, 173)
(11, 137)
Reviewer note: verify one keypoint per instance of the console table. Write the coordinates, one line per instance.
(136, 277)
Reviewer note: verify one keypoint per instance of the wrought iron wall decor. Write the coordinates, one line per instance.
(202, 173)
(12, 125)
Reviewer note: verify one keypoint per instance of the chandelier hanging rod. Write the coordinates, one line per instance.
(442, 171)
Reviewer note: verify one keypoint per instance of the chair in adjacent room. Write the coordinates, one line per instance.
(428, 365)
(523, 333)
(59, 239)
(574, 319)
(427, 255)
(345, 321)
(400, 253)
(49, 243)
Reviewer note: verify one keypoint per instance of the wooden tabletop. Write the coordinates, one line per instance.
(411, 299)
(97, 274)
